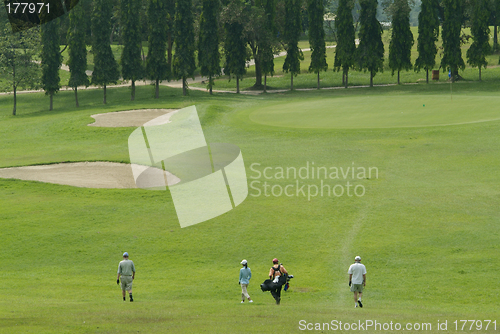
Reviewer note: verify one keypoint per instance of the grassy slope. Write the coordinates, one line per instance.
(425, 227)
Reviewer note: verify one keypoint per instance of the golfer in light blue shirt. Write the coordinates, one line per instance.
(245, 276)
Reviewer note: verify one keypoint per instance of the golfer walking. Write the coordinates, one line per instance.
(275, 274)
(357, 280)
(245, 275)
(126, 270)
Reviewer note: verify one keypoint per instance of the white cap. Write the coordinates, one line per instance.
(357, 258)
(244, 262)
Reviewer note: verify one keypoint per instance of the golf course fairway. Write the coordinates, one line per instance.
(424, 216)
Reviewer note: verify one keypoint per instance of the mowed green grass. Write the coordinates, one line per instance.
(403, 110)
(427, 228)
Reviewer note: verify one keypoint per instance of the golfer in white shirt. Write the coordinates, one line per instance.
(357, 280)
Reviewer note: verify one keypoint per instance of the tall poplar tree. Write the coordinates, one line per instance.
(346, 47)
(77, 50)
(267, 40)
(316, 13)
(428, 33)
(157, 67)
(131, 59)
(293, 28)
(452, 26)
(401, 39)
(170, 33)
(105, 65)
(51, 59)
(476, 55)
(370, 52)
(208, 45)
(235, 51)
(184, 62)
(494, 19)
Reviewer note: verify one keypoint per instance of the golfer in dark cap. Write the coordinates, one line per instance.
(126, 270)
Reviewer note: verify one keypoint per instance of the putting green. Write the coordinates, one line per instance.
(385, 111)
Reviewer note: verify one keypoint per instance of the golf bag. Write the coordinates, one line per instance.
(269, 285)
(287, 285)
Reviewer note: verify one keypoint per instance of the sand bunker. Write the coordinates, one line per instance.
(99, 174)
(128, 118)
(81, 174)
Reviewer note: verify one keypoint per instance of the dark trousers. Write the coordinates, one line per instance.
(276, 293)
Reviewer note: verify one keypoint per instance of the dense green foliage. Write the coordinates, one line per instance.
(157, 67)
(494, 20)
(346, 47)
(51, 59)
(428, 33)
(170, 18)
(265, 40)
(263, 25)
(370, 51)
(208, 41)
(452, 54)
(234, 44)
(316, 13)
(105, 65)
(184, 62)
(131, 60)
(77, 50)
(293, 28)
(18, 52)
(401, 38)
(476, 55)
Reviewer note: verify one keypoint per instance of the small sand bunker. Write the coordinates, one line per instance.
(81, 174)
(128, 118)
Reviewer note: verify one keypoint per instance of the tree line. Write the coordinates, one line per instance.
(220, 36)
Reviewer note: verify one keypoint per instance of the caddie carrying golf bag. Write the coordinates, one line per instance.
(269, 285)
(274, 286)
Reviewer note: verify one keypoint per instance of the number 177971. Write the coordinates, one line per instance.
(26, 7)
